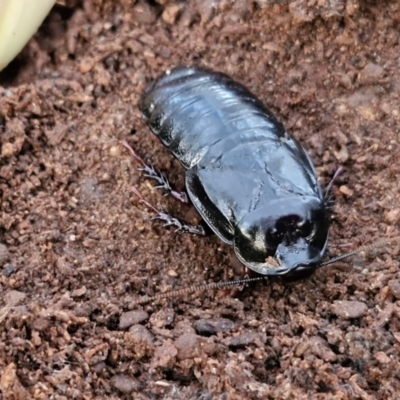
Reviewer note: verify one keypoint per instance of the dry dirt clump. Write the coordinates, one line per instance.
(76, 247)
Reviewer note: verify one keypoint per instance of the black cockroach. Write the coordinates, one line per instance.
(252, 183)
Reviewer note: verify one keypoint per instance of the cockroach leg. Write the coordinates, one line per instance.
(180, 225)
(152, 173)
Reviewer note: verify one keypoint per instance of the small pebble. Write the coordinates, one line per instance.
(131, 318)
(393, 216)
(171, 13)
(7, 150)
(4, 254)
(99, 367)
(187, 346)
(78, 292)
(9, 270)
(346, 191)
(14, 297)
(349, 309)
(164, 355)
(144, 13)
(115, 151)
(372, 73)
(126, 384)
(382, 358)
(213, 325)
(245, 339)
(394, 286)
(342, 155)
(190, 345)
(141, 334)
(321, 349)
(162, 318)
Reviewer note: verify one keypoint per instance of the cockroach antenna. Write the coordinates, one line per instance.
(198, 288)
(379, 244)
(226, 284)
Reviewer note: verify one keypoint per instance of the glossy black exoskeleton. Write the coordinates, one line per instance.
(253, 184)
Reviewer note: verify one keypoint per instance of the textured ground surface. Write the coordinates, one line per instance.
(77, 247)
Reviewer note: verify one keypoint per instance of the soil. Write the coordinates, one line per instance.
(77, 247)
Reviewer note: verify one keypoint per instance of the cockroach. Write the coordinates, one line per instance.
(252, 183)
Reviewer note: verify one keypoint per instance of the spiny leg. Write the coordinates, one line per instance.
(168, 219)
(150, 172)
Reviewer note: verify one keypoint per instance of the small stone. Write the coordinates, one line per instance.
(346, 191)
(171, 13)
(131, 318)
(162, 318)
(79, 292)
(334, 336)
(362, 98)
(393, 215)
(7, 150)
(14, 297)
(342, 155)
(370, 112)
(349, 309)
(320, 348)
(40, 324)
(246, 339)
(113, 357)
(9, 270)
(141, 334)
(372, 73)
(99, 367)
(274, 47)
(187, 345)
(144, 13)
(301, 348)
(115, 151)
(164, 355)
(10, 385)
(182, 327)
(35, 339)
(346, 80)
(382, 358)
(126, 384)
(213, 325)
(394, 287)
(86, 65)
(190, 345)
(4, 253)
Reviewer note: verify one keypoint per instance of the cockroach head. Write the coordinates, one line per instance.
(282, 238)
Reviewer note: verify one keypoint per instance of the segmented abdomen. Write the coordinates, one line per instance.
(193, 110)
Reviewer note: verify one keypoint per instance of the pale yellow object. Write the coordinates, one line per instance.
(19, 21)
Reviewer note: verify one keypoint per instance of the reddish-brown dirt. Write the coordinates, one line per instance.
(77, 247)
